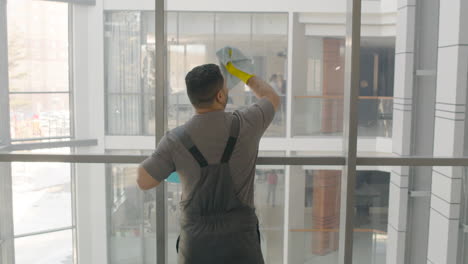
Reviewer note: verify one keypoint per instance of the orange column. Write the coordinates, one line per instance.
(325, 211)
(333, 85)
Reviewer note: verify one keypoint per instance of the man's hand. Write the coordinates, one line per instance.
(243, 76)
(144, 180)
(235, 64)
(260, 88)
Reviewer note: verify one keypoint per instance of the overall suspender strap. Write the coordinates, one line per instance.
(190, 146)
(235, 129)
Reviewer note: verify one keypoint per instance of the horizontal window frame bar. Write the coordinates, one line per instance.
(52, 144)
(129, 93)
(43, 232)
(40, 92)
(39, 138)
(342, 97)
(413, 161)
(310, 160)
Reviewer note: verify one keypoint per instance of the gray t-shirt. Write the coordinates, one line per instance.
(210, 133)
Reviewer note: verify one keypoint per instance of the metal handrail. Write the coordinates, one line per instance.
(47, 231)
(341, 97)
(278, 160)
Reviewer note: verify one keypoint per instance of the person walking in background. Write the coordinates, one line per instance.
(272, 179)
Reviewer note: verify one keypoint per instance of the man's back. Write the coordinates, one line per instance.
(210, 132)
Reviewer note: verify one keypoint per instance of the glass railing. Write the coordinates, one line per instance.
(323, 116)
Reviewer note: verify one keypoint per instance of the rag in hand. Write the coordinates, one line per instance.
(235, 66)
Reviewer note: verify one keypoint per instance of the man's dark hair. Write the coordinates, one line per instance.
(203, 83)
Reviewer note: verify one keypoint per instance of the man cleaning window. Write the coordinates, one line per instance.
(215, 154)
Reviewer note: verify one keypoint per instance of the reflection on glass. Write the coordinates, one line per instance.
(130, 73)
(132, 217)
(41, 196)
(269, 203)
(37, 46)
(314, 238)
(371, 217)
(318, 97)
(39, 115)
(375, 116)
(50, 248)
(123, 112)
(314, 214)
(375, 107)
(38, 62)
(318, 105)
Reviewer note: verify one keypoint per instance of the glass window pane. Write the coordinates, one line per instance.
(414, 213)
(375, 106)
(122, 48)
(371, 216)
(39, 115)
(233, 29)
(314, 214)
(38, 70)
(130, 72)
(190, 31)
(37, 46)
(318, 105)
(149, 117)
(268, 48)
(53, 248)
(42, 196)
(124, 114)
(413, 85)
(132, 216)
(148, 55)
(269, 24)
(190, 43)
(270, 207)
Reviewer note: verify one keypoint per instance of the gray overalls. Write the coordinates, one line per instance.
(216, 227)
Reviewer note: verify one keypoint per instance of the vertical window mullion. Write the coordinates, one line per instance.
(352, 74)
(7, 250)
(160, 116)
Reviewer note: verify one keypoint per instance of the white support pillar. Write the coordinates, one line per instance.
(6, 212)
(449, 131)
(289, 72)
(5, 136)
(297, 70)
(397, 215)
(402, 121)
(88, 83)
(296, 206)
(6, 196)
